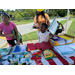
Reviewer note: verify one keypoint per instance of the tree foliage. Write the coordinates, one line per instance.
(21, 13)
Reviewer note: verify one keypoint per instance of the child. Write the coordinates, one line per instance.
(7, 27)
(44, 34)
(59, 30)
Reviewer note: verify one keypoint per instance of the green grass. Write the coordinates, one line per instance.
(30, 36)
(71, 30)
(23, 21)
(63, 22)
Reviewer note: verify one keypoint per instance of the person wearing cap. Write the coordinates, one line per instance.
(7, 27)
(40, 18)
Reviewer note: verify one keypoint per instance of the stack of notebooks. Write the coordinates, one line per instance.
(66, 50)
(58, 39)
(68, 39)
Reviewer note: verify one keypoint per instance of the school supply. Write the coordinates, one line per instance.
(18, 49)
(48, 54)
(62, 40)
(5, 51)
(31, 47)
(65, 50)
(36, 54)
(53, 27)
(34, 57)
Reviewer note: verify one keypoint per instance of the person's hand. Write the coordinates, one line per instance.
(36, 25)
(18, 42)
(51, 35)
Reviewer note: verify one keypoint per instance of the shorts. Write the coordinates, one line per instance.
(11, 42)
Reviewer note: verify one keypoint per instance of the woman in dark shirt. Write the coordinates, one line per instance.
(59, 30)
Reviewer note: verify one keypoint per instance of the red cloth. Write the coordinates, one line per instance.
(37, 45)
(31, 47)
(46, 45)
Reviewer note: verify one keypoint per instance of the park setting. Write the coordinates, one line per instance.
(41, 37)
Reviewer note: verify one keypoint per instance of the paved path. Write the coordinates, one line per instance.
(68, 25)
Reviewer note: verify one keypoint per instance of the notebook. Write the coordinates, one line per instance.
(19, 49)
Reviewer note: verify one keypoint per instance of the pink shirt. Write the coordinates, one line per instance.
(7, 29)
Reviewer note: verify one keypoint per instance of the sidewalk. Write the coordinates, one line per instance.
(35, 41)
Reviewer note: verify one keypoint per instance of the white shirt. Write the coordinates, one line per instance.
(44, 37)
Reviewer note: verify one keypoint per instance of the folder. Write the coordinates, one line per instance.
(31, 47)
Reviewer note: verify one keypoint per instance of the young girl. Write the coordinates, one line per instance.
(44, 34)
(7, 27)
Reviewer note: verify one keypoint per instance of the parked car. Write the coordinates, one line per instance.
(33, 25)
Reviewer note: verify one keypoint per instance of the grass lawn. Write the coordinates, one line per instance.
(71, 30)
(30, 36)
(23, 21)
(63, 22)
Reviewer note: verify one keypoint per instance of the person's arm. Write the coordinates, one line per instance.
(48, 23)
(18, 42)
(6, 35)
(62, 27)
(35, 23)
(51, 35)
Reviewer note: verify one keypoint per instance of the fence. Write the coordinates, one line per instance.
(20, 19)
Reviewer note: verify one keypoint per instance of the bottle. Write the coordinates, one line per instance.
(0, 55)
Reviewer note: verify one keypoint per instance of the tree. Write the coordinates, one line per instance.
(25, 14)
(18, 16)
(62, 12)
(31, 12)
(20, 10)
(51, 12)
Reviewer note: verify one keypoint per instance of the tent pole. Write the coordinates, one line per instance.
(66, 21)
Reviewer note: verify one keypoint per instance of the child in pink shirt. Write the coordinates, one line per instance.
(7, 27)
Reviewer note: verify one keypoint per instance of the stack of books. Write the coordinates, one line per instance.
(65, 50)
(58, 39)
(67, 39)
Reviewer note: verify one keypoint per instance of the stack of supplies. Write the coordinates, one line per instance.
(36, 54)
(68, 39)
(66, 50)
(58, 39)
(17, 59)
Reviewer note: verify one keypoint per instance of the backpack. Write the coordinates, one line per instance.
(20, 36)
